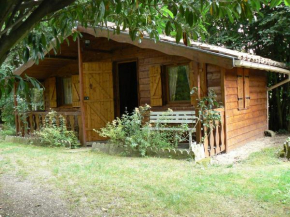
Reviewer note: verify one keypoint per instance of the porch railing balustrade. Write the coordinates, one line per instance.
(214, 140)
(35, 120)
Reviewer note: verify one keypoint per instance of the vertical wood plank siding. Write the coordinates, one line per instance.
(246, 124)
(214, 80)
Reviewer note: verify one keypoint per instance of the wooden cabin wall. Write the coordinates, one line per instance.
(145, 59)
(214, 80)
(246, 124)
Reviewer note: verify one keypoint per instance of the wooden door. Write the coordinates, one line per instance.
(98, 97)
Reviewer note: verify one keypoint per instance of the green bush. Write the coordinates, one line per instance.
(285, 153)
(131, 132)
(55, 135)
(7, 130)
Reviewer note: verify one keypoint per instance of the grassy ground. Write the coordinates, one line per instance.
(259, 186)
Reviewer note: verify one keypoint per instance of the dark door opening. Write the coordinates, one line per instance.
(128, 87)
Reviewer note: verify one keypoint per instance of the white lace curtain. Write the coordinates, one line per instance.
(173, 77)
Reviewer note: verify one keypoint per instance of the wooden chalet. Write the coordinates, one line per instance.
(95, 79)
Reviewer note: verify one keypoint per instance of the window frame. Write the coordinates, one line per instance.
(166, 84)
(43, 98)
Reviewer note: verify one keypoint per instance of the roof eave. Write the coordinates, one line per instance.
(246, 64)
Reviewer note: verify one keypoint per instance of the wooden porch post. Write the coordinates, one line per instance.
(223, 88)
(196, 81)
(200, 81)
(81, 78)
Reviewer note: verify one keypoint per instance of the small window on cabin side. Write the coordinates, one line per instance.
(37, 99)
(178, 83)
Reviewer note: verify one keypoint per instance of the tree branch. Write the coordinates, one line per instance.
(30, 4)
(5, 10)
(15, 9)
(45, 8)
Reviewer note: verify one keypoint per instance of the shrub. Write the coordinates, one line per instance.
(7, 130)
(57, 134)
(131, 132)
(206, 105)
(285, 153)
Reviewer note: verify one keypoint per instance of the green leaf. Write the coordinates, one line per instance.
(168, 28)
(26, 54)
(274, 3)
(287, 2)
(166, 12)
(190, 18)
(194, 35)
(230, 15)
(239, 9)
(102, 10)
(118, 30)
(179, 32)
(118, 7)
(181, 10)
(43, 40)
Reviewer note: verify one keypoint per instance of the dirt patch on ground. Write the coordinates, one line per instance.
(21, 197)
(243, 152)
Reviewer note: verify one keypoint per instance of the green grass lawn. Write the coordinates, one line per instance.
(259, 186)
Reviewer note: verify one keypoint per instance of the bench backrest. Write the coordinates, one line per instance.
(178, 117)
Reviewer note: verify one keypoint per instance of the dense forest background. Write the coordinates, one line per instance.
(268, 35)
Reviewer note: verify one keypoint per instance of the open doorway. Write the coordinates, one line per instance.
(127, 84)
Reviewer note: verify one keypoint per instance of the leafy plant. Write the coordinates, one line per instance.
(206, 105)
(55, 132)
(285, 153)
(132, 133)
(7, 130)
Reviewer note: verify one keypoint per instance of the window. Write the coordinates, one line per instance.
(65, 93)
(37, 99)
(178, 87)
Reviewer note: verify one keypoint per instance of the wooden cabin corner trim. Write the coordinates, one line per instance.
(81, 78)
(223, 92)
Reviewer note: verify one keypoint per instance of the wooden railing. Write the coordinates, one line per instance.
(214, 138)
(36, 120)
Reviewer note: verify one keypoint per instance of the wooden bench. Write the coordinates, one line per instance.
(175, 117)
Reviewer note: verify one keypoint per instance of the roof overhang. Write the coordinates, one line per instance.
(246, 64)
(167, 47)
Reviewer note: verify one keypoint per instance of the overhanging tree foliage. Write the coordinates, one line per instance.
(183, 19)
